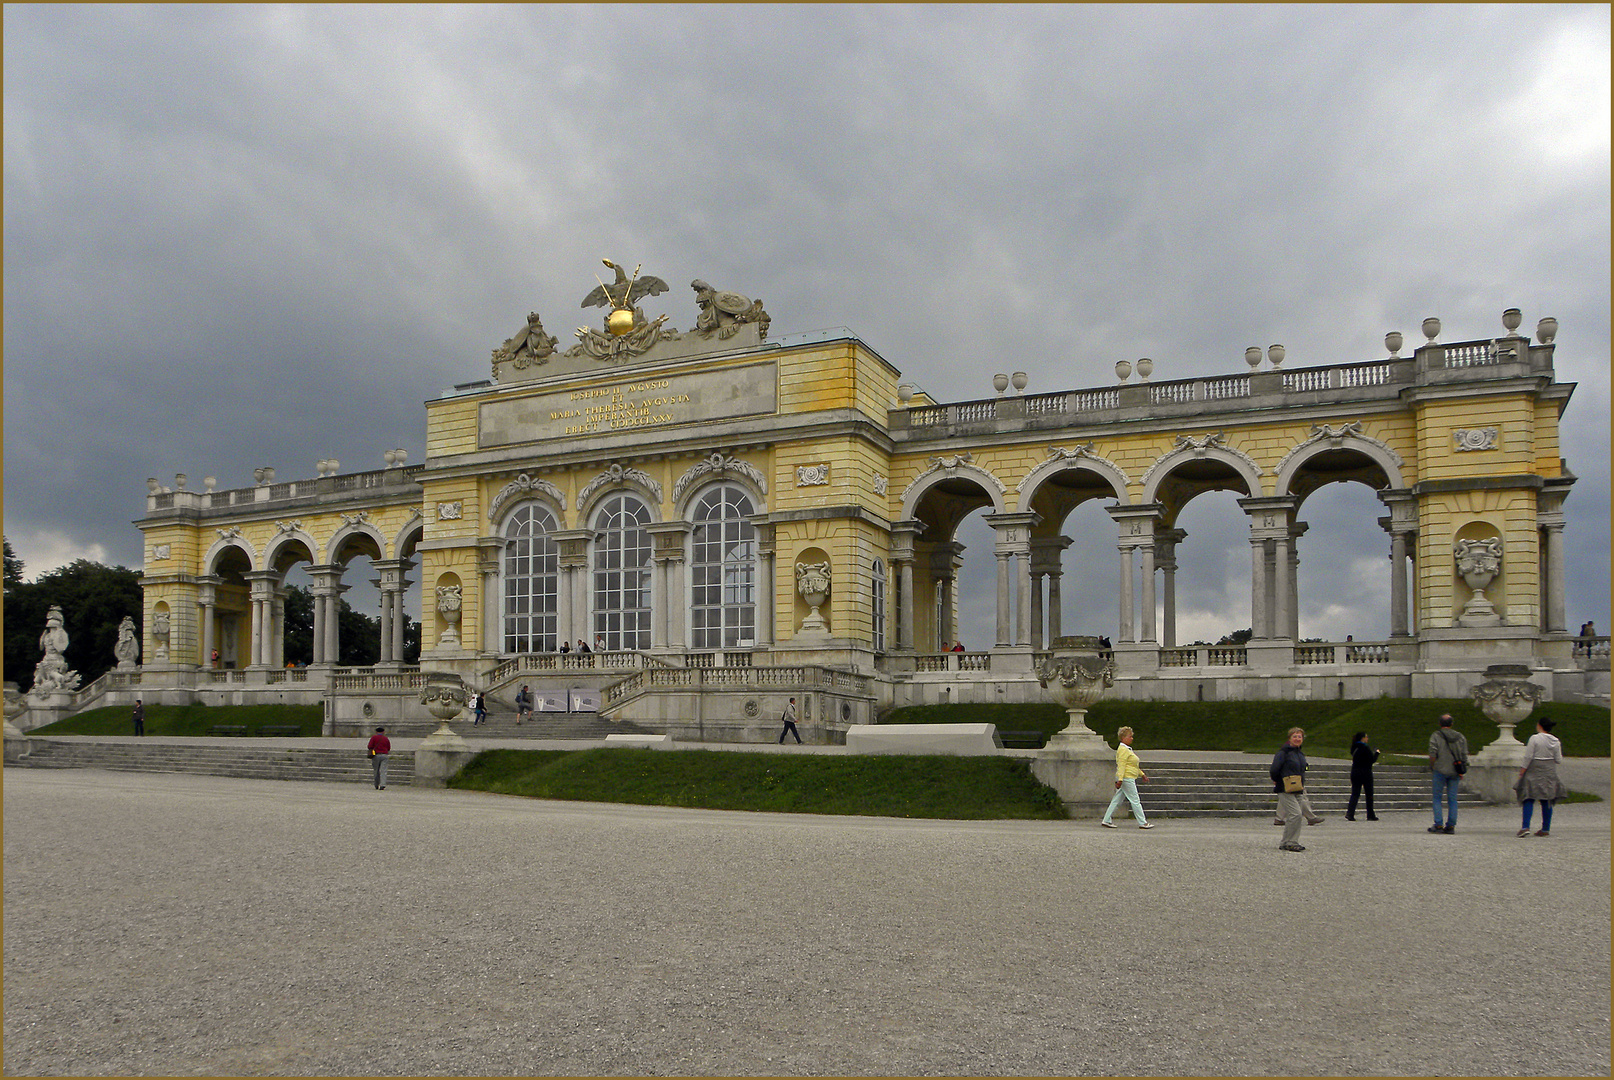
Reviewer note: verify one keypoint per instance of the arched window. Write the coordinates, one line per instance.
(723, 571)
(877, 602)
(531, 581)
(622, 574)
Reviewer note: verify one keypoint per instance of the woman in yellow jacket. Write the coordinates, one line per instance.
(1127, 775)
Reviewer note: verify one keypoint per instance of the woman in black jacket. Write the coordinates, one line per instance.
(1290, 760)
(1362, 758)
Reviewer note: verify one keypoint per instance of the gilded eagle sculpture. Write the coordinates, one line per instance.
(625, 292)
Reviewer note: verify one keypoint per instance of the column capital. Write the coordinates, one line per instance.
(1135, 523)
(1271, 516)
(1013, 530)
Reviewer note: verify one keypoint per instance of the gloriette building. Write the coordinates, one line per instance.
(727, 520)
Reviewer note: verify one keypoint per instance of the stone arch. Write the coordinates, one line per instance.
(278, 546)
(616, 480)
(1209, 449)
(215, 553)
(1078, 460)
(943, 470)
(409, 536)
(1337, 446)
(351, 535)
(716, 468)
(533, 498)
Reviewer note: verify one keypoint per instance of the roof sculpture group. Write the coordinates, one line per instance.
(626, 332)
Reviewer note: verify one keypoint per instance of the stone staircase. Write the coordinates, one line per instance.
(1199, 789)
(245, 760)
(501, 724)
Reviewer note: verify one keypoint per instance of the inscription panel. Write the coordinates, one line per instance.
(626, 403)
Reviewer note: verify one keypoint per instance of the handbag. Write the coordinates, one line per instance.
(1294, 784)
(1457, 763)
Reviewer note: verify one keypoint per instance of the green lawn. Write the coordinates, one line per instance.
(886, 785)
(187, 719)
(1397, 726)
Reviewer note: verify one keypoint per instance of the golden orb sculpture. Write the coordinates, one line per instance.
(620, 321)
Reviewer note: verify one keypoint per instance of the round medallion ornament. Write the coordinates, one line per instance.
(620, 321)
(752, 708)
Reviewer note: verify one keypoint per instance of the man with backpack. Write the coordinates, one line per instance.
(523, 703)
(1448, 761)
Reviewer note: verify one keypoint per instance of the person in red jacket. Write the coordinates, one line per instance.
(380, 746)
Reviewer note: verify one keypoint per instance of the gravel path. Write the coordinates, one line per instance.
(181, 925)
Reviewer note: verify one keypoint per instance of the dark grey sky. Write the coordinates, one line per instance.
(245, 235)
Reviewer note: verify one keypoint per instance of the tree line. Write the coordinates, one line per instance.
(94, 598)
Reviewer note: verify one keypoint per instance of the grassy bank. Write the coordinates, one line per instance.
(961, 788)
(1397, 726)
(187, 719)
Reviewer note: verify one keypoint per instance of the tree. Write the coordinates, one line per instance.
(358, 635)
(13, 568)
(94, 599)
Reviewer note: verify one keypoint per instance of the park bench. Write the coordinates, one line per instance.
(227, 729)
(1023, 740)
(280, 729)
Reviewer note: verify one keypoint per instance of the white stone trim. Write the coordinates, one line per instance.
(1058, 459)
(1213, 446)
(616, 474)
(812, 475)
(1349, 436)
(522, 483)
(961, 465)
(718, 465)
(1466, 439)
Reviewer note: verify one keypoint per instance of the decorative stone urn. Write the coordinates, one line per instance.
(1393, 342)
(1431, 328)
(1123, 370)
(448, 606)
(1000, 382)
(1076, 676)
(1507, 697)
(1546, 330)
(813, 582)
(1276, 353)
(1145, 367)
(444, 752)
(1252, 356)
(1478, 563)
(1511, 318)
(1018, 380)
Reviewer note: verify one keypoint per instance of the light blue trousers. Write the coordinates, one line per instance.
(1128, 791)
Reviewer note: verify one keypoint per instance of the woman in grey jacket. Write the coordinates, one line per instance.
(1538, 780)
(1290, 760)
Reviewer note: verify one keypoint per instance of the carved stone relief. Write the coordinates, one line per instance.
(51, 673)
(450, 511)
(524, 483)
(161, 551)
(723, 313)
(812, 475)
(716, 464)
(1465, 439)
(127, 649)
(616, 474)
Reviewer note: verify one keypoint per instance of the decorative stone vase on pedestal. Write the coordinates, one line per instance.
(444, 752)
(1478, 562)
(1077, 763)
(813, 583)
(449, 603)
(1507, 697)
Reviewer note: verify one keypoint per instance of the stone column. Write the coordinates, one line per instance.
(1123, 616)
(1556, 621)
(571, 620)
(1005, 636)
(1047, 553)
(333, 608)
(1270, 531)
(903, 536)
(262, 584)
(1037, 577)
(765, 581)
(1166, 542)
(1293, 575)
(1147, 550)
(1398, 584)
(206, 599)
(490, 638)
(1013, 549)
(670, 542)
(277, 627)
(1056, 609)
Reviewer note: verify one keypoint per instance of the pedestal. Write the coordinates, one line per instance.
(1081, 769)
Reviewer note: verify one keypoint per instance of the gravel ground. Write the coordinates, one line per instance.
(182, 925)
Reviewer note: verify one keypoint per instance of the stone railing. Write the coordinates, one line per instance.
(953, 661)
(620, 660)
(1591, 648)
(399, 478)
(373, 679)
(1175, 396)
(724, 678)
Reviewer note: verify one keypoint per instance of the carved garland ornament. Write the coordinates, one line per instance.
(232, 533)
(718, 465)
(812, 475)
(1199, 448)
(1085, 450)
(361, 518)
(524, 483)
(161, 551)
(951, 466)
(288, 526)
(617, 474)
(1336, 438)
